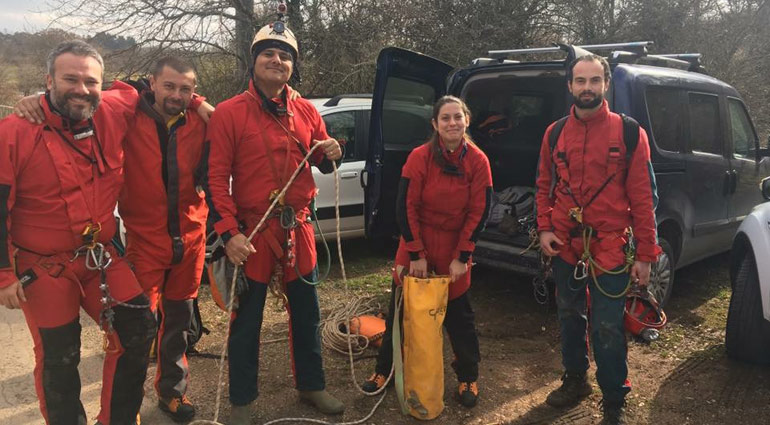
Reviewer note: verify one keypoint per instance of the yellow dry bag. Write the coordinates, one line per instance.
(420, 373)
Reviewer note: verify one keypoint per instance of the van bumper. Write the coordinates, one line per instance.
(507, 257)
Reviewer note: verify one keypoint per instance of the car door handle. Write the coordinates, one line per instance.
(364, 178)
(734, 183)
(349, 175)
(727, 183)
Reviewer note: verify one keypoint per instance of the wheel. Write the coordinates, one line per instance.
(662, 274)
(748, 333)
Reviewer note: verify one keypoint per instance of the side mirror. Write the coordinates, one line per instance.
(764, 186)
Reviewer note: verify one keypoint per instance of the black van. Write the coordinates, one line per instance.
(705, 150)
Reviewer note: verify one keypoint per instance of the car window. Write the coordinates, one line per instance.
(342, 126)
(663, 110)
(705, 132)
(406, 112)
(510, 118)
(742, 131)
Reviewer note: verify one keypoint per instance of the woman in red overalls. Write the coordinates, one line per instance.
(442, 206)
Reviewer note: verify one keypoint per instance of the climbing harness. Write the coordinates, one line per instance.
(587, 264)
(288, 217)
(97, 258)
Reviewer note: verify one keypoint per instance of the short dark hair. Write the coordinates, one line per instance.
(75, 47)
(590, 58)
(177, 64)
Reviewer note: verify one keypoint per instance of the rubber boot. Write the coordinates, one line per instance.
(613, 413)
(240, 415)
(323, 401)
(574, 388)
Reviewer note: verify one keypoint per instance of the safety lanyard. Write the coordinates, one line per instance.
(279, 178)
(97, 168)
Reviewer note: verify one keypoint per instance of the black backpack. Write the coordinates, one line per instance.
(630, 139)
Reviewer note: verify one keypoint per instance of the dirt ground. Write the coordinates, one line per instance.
(683, 378)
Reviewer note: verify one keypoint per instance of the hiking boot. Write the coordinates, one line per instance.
(180, 409)
(574, 388)
(323, 401)
(374, 383)
(468, 393)
(613, 412)
(240, 415)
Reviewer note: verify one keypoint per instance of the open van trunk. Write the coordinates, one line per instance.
(511, 110)
(511, 105)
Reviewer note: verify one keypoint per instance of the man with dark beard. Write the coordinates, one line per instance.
(590, 194)
(59, 182)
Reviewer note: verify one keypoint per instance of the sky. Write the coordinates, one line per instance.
(23, 15)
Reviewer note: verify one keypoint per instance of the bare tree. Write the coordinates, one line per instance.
(203, 27)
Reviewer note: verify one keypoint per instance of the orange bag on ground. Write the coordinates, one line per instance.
(420, 385)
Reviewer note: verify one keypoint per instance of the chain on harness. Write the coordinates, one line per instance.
(97, 258)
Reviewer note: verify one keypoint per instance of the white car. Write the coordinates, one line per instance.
(748, 320)
(347, 119)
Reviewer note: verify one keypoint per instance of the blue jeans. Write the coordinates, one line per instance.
(607, 331)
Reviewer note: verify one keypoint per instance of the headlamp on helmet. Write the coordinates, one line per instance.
(275, 35)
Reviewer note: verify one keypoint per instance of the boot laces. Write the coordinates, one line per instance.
(378, 379)
(473, 387)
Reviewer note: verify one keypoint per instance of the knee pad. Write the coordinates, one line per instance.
(136, 326)
(61, 345)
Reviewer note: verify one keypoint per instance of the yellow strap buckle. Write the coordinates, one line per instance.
(91, 235)
(576, 214)
(274, 194)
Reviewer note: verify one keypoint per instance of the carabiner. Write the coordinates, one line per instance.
(581, 270)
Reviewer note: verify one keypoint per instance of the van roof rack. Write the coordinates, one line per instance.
(638, 47)
(692, 58)
(634, 52)
(334, 101)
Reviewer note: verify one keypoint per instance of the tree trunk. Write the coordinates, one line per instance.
(244, 33)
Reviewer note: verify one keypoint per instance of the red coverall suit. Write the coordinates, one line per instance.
(51, 187)
(165, 218)
(440, 213)
(260, 151)
(589, 153)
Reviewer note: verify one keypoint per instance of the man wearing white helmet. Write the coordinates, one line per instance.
(258, 138)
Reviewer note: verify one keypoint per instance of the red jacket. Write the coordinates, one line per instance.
(161, 189)
(49, 191)
(250, 145)
(441, 214)
(586, 154)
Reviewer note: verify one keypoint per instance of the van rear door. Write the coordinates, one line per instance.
(406, 86)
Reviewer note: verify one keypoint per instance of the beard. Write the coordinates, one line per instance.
(588, 103)
(173, 108)
(67, 109)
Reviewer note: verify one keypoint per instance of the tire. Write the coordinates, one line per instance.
(747, 337)
(662, 274)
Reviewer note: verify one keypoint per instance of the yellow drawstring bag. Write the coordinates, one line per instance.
(420, 374)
